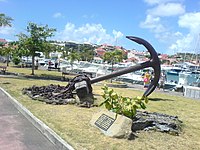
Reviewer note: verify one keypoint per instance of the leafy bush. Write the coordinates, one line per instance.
(122, 105)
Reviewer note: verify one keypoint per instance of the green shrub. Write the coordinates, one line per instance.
(122, 105)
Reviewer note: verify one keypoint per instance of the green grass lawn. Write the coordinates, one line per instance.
(39, 73)
(72, 122)
(27, 71)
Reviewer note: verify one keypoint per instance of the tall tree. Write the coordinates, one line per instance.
(86, 52)
(113, 57)
(73, 56)
(5, 20)
(35, 39)
(7, 50)
(70, 47)
(48, 48)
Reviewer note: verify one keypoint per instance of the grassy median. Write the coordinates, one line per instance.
(72, 122)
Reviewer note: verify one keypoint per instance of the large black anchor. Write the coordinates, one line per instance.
(82, 83)
(154, 62)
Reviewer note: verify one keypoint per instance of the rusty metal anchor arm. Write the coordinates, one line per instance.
(154, 62)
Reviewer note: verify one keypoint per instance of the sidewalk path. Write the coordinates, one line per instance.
(141, 88)
(16, 132)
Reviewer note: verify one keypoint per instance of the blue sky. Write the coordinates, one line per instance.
(169, 25)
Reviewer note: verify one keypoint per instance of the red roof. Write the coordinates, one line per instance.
(164, 56)
(3, 41)
(132, 59)
(100, 52)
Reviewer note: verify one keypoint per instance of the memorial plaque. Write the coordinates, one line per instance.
(111, 124)
(104, 122)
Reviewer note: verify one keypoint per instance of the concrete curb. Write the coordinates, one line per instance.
(43, 128)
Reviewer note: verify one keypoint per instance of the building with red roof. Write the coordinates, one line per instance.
(3, 41)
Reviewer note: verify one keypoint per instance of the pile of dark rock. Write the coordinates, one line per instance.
(51, 94)
(56, 94)
(156, 121)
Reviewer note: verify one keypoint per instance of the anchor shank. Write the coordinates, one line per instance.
(121, 72)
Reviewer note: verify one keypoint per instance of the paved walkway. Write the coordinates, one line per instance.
(16, 132)
(141, 88)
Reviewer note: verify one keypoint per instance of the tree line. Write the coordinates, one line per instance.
(36, 39)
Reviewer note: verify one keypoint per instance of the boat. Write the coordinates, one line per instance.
(171, 85)
(66, 67)
(133, 77)
(174, 70)
(185, 79)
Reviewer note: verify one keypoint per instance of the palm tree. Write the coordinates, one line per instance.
(5, 20)
(113, 57)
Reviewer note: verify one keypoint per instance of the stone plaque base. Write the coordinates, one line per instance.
(111, 125)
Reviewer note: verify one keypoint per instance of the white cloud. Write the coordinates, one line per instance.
(117, 34)
(157, 21)
(167, 9)
(155, 16)
(183, 45)
(153, 23)
(6, 30)
(189, 42)
(190, 21)
(176, 41)
(168, 37)
(58, 15)
(154, 2)
(178, 33)
(3, 0)
(92, 33)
